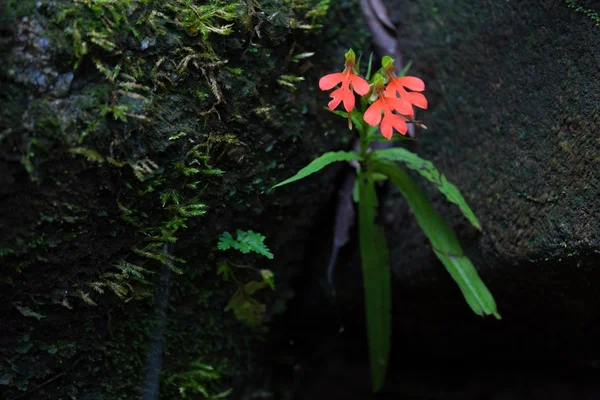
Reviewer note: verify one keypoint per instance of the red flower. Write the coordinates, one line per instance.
(398, 85)
(387, 103)
(350, 82)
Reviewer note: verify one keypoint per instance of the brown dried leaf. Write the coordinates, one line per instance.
(384, 42)
(381, 13)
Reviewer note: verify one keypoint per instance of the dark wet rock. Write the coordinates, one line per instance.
(92, 134)
(31, 58)
(513, 121)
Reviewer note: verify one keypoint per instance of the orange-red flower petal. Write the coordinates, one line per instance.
(410, 82)
(387, 104)
(398, 85)
(342, 95)
(400, 105)
(415, 98)
(390, 122)
(349, 82)
(359, 85)
(373, 114)
(330, 81)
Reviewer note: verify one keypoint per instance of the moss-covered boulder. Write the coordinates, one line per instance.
(132, 135)
(513, 121)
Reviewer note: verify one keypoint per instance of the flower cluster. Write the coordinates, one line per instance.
(391, 104)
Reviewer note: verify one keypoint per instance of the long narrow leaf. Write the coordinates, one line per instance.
(357, 120)
(337, 112)
(429, 172)
(355, 115)
(321, 162)
(368, 75)
(405, 69)
(444, 241)
(374, 136)
(376, 280)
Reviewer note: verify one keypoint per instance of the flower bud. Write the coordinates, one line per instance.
(387, 63)
(378, 82)
(350, 58)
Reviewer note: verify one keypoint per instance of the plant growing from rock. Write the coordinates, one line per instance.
(245, 307)
(386, 105)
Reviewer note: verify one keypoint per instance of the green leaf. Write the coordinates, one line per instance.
(302, 56)
(465, 275)
(268, 277)
(245, 307)
(444, 241)
(368, 75)
(358, 121)
(374, 136)
(337, 112)
(252, 241)
(355, 115)
(225, 271)
(223, 394)
(172, 195)
(196, 379)
(429, 172)
(226, 241)
(178, 136)
(245, 242)
(372, 133)
(376, 280)
(28, 312)
(378, 177)
(405, 69)
(91, 155)
(254, 286)
(321, 162)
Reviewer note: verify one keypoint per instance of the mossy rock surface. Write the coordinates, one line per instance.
(513, 121)
(513, 90)
(130, 128)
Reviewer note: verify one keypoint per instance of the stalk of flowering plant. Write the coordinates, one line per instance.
(386, 105)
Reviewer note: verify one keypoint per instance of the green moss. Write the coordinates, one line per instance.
(173, 128)
(547, 139)
(593, 15)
